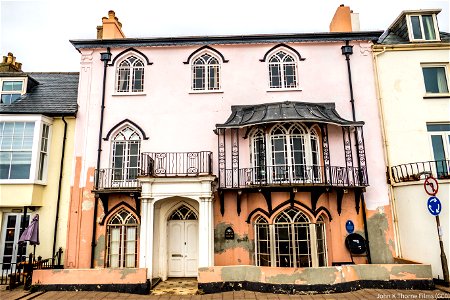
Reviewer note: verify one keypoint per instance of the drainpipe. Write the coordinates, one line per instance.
(347, 50)
(105, 57)
(398, 248)
(55, 232)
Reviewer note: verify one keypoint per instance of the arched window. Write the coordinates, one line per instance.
(262, 238)
(130, 75)
(126, 146)
(122, 238)
(321, 241)
(292, 151)
(206, 73)
(282, 71)
(183, 213)
(289, 240)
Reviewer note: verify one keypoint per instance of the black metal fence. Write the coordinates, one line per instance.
(167, 164)
(117, 178)
(20, 273)
(420, 170)
(295, 175)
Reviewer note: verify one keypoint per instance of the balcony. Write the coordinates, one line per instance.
(299, 175)
(117, 179)
(420, 170)
(174, 164)
(154, 164)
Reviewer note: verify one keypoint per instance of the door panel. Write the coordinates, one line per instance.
(176, 251)
(183, 248)
(191, 257)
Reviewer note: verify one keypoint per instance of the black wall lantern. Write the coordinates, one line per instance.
(347, 50)
(229, 233)
(105, 56)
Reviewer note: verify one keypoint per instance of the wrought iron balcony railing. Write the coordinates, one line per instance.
(439, 169)
(117, 178)
(171, 164)
(155, 164)
(295, 175)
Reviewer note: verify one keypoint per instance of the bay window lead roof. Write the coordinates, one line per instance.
(248, 115)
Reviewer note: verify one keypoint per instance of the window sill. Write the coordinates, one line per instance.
(285, 90)
(22, 181)
(206, 92)
(129, 94)
(437, 96)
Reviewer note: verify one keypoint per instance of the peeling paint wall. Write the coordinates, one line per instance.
(381, 237)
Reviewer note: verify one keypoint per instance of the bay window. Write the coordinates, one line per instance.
(292, 152)
(23, 149)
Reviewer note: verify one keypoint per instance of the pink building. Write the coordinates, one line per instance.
(197, 153)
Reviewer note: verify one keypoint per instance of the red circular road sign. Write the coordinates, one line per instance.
(431, 186)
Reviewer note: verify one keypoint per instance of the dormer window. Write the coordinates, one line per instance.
(11, 90)
(423, 28)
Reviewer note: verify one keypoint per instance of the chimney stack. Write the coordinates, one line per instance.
(111, 28)
(9, 64)
(344, 20)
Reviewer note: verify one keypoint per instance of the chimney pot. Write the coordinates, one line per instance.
(111, 28)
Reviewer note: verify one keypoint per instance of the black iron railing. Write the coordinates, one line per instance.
(439, 169)
(167, 164)
(295, 175)
(116, 178)
(20, 273)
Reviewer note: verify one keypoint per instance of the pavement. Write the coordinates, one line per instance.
(356, 295)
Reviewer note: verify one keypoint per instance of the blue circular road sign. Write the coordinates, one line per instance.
(434, 206)
(349, 226)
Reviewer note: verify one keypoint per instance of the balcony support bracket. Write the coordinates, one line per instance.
(268, 196)
(137, 201)
(292, 197)
(315, 195)
(104, 198)
(358, 193)
(238, 202)
(222, 202)
(339, 198)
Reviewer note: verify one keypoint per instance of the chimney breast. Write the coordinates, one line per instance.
(111, 28)
(9, 64)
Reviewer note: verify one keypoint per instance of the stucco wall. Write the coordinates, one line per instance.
(406, 113)
(175, 119)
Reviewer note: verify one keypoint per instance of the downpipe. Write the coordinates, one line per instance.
(105, 57)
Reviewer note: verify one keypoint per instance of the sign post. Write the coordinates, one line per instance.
(434, 207)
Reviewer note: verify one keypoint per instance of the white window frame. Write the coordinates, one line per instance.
(410, 27)
(38, 120)
(312, 233)
(445, 136)
(436, 65)
(205, 66)
(131, 78)
(282, 71)
(308, 153)
(122, 259)
(125, 170)
(15, 79)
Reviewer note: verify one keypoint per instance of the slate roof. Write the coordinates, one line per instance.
(53, 94)
(230, 39)
(248, 115)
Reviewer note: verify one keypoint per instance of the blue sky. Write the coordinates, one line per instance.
(38, 32)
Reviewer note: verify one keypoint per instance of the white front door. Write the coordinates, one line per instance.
(10, 250)
(183, 248)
